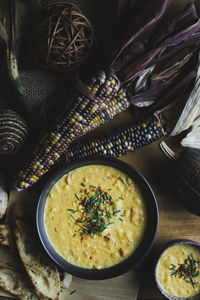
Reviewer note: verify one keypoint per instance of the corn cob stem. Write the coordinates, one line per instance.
(97, 101)
(121, 141)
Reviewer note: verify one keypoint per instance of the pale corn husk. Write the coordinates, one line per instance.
(192, 140)
(141, 83)
(142, 80)
(168, 151)
(170, 114)
(191, 110)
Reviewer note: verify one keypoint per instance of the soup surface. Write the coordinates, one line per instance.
(95, 216)
(178, 270)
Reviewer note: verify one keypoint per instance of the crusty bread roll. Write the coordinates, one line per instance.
(14, 279)
(18, 284)
(41, 269)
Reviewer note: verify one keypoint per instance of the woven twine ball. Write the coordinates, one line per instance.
(63, 37)
(13, 132)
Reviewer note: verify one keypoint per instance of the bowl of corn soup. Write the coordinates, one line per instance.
(177, 270)
(97, 218)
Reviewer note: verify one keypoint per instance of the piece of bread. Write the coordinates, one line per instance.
(3, 200)
(66, 280)
(18, 284)
(13, 277)
(41, 269)
(5, 235)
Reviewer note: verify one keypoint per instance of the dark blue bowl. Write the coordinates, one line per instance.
(167, 246)
(142, 249)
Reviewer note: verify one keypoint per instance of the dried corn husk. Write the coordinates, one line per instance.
(94, 102)
(157, 60)
(192, 140)
(185, 170)
(191, 111)
(171, 65)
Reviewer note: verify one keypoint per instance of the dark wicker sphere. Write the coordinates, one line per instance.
(63, 37)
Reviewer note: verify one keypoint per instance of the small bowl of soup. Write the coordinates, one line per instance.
(97, 218)
(177, 271)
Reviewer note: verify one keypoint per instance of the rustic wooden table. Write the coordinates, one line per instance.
(175, 222)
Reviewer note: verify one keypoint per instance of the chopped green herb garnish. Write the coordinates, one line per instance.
(77, 196)
(121, 198)
(72, 292)
(74, 234)
(79, 221)
(55, 229)
(97, 208)
(108, 215)
(52, 217)
(72, 210)
(71, 216)
(83, 184)
(110, 199)
(109, 189)
(115, 212)
(110, 223)
(187, 270)
(121, 219)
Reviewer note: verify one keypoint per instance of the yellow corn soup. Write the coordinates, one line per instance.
(178, 270)
(95, 216)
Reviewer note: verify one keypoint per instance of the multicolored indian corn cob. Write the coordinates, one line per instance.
(121, 141)
(95, 102)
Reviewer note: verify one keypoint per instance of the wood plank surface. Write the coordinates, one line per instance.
(175, 223)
